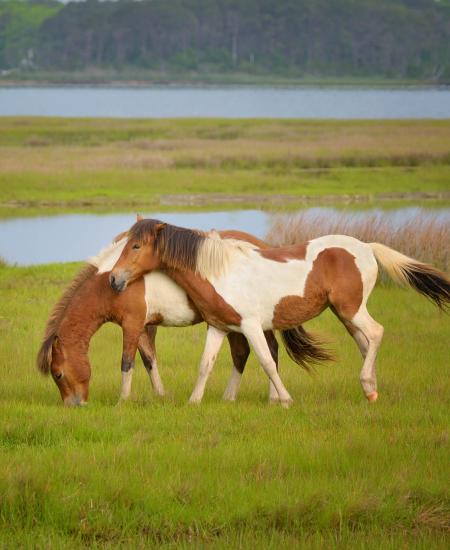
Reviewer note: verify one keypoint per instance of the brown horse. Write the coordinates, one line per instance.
(240, 288)
(89, 302)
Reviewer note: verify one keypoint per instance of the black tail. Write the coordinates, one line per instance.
(425, 279)
(429, 282)
(303, 348)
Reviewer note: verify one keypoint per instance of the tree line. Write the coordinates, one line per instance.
(362, 38)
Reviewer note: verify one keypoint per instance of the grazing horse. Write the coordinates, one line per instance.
(238, 287)
(89, 302)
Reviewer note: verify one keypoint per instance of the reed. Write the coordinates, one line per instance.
(424, 236)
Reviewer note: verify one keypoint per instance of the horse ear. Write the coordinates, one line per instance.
(159, 227)
(139, 218)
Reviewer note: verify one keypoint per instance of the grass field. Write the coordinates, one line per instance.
(331, 471)
(85, 163)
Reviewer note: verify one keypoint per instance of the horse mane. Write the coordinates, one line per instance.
(189, 249)
(106, 258)
(44, 357)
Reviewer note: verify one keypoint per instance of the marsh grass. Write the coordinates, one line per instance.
(99, 162)
(424, 236)
(329, 472)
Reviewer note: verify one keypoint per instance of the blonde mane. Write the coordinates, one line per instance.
(216, 254)
(108, 256)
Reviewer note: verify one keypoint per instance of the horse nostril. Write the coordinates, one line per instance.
(112, 280)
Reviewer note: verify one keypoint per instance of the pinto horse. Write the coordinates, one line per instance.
(89, 302)
(237, 287)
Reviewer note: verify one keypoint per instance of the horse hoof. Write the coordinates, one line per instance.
(372, 397)
(286, 404)
(274, 400)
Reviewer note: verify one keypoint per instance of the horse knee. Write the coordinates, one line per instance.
(376, 334)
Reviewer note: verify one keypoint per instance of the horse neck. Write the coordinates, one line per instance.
(85, 314)
(194, 286)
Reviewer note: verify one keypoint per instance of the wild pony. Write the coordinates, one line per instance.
(240, 288)
(89, 302)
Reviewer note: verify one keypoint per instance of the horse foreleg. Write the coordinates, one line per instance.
(255, 336)
(273, 347)
(131, 336)
(214, 339)
(147, 351)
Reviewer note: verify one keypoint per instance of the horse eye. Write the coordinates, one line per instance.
(136, 246)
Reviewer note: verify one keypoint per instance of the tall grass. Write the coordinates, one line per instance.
(424, 236)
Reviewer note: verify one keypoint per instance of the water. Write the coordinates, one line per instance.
(75, 237)
(248, 102)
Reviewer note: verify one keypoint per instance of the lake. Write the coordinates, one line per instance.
(75, 237)
(228, 102)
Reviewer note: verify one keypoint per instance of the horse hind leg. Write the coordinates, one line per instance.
(367, 334)
(240, 351)
(147, 351)
(373, 333)
(273, 347)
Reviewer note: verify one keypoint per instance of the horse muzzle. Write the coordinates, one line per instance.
(118, 282)
(74, 401)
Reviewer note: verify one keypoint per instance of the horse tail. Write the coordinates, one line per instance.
(304, 348)
(424, 278)
(44, 356)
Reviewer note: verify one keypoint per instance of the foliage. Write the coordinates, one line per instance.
(401, 38)
(19, 27)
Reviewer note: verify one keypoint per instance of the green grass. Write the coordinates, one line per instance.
(158, 163)
(331, 471)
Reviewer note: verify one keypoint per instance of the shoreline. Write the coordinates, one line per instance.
(227, 200)
(219, 83)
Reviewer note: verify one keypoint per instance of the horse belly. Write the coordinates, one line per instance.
(167, 303)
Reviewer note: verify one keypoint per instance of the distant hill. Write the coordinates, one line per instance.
(398, 39)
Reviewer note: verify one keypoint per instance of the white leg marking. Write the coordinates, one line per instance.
(273, 394)
(126, 384)
(232, 388)
(373, 332)
(155, 379)
(257, 340)
(361, 342)
(214, 339)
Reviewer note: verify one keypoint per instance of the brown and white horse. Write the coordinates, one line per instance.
(237, 287)
(89, 302)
